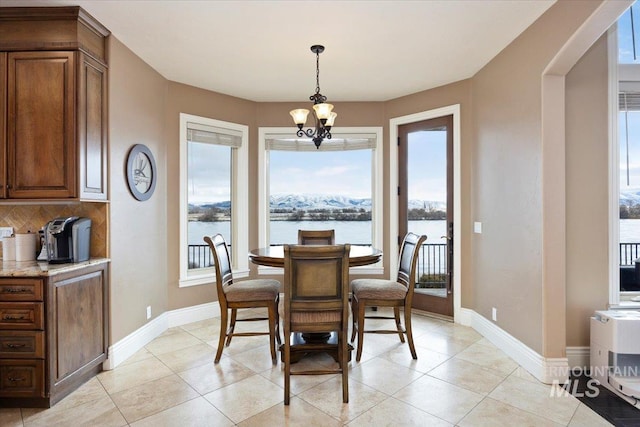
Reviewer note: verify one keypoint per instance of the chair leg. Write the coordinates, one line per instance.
(360, 326)
(396, 313)
(287, 366)
(223, 332)
(407, 325)
(279, 341)
(273, 314)
(354, 317)
(344, 365)
(232, 326)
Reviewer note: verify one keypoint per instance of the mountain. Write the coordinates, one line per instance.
(326, 201)
(317, 201)
(630, 197)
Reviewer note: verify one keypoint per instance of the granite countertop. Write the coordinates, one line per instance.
(42, 268)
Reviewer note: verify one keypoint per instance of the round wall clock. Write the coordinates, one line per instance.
(141, 172)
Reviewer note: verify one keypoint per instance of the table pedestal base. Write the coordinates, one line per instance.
(307, 344)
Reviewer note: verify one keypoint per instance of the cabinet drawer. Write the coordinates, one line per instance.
(20, 290)
(21, 315)
(21, 344)
(21, 378)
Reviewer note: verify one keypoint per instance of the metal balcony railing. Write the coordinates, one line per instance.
(629, 252)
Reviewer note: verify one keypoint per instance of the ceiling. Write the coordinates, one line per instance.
(260, 50)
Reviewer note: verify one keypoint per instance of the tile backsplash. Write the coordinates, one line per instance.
(31, 218)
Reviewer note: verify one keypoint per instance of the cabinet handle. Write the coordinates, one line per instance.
(15, 380)
(16, 345)
(9, 317)
(15, 290)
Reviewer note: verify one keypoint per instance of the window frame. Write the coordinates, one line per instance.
(239, 203)
(617, 298)
(377, 173)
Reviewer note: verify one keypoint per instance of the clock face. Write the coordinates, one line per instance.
(141, 172)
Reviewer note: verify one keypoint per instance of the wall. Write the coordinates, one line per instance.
(502, 176)
(190, 100)
(139, 239)
(507, 191)
(587, 191)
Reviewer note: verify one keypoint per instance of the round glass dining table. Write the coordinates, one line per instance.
(273, 256)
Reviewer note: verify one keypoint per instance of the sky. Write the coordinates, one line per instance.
(629, 124)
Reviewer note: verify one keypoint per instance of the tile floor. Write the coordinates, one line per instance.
(459, 379)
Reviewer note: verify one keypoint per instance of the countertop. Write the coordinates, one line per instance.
(43, 269)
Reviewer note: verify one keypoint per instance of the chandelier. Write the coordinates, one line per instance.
(321, 110)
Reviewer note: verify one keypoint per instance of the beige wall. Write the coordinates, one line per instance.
(199, 102)
(502, 181)
(507, 182)
(587, 191)
(137, 99)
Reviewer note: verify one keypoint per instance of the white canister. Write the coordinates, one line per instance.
(26, 247)
(9, 248)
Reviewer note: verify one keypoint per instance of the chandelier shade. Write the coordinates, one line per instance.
(322, 111)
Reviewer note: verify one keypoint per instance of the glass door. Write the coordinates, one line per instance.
(426, 207)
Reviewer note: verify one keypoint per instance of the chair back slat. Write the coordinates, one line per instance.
(316, 237)
(408, 259)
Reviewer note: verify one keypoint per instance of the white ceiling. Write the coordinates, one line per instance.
(259, 50)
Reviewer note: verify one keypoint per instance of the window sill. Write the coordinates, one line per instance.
(626, 305)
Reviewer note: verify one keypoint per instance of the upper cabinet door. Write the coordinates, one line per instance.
(92, 129)
(3, 123)
(41, 140)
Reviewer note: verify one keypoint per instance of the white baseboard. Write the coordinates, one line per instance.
(195, 313)
(579, 358)
(547, 370)
(129, 345)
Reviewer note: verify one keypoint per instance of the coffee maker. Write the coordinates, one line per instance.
(68, 239)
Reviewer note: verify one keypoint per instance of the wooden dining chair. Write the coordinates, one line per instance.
(233, 296)
(316, 289)
(316, 237)
(388, 293)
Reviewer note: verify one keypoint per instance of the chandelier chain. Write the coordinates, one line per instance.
(317, 72)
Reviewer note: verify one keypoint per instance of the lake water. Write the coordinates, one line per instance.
(352, 231)
(346, 231)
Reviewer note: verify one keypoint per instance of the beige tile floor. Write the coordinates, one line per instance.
(459, 379)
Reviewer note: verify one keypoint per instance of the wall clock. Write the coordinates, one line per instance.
(141, 172)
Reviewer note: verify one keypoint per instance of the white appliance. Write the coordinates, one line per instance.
(615, 352)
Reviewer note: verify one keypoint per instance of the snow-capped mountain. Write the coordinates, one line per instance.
(317, 201)
(328, 201)
(630, 197)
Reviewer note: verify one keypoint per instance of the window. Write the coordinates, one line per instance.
(625, 85)
(337, 186)
(213, 195)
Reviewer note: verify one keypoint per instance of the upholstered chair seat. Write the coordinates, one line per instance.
(253, 290)
(379, 288)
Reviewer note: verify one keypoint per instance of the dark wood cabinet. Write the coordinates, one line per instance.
(54, 86)
(40, 127)
(53, 334)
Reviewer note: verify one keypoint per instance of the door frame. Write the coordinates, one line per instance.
(453, 110)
